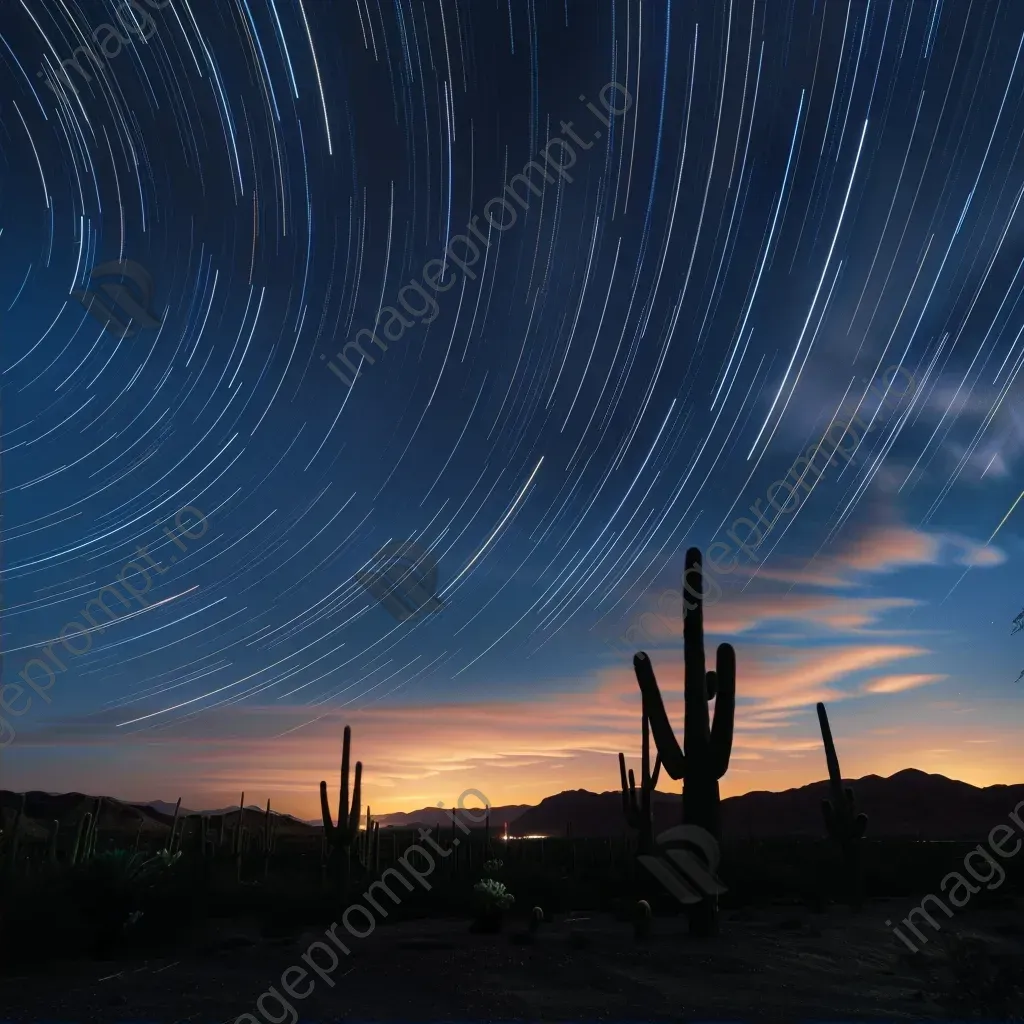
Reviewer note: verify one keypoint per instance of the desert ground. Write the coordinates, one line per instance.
(779, 963)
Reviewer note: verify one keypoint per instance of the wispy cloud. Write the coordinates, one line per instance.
(897, 684)
(882, 551)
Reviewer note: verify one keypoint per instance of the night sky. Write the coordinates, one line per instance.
(744, 223)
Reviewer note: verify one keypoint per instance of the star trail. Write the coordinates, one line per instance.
(256, 262)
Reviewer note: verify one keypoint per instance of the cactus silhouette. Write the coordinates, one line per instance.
(340, 838)
(236, 839)
(637, 808)
(13, 840)
(704, 757)
(842, 822)
(51, 842)
(366, 845)
(80, 853)
(90, 850)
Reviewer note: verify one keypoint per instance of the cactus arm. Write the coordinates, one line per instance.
(625, 785)
(656, 772)
(831, 758)
(725, 709)
(346, 750)
(669, 751)
(353, 820)
(325, 810)
(645, 750)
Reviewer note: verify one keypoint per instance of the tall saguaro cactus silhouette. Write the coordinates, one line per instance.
(637, 810)
(339, 838)
(844, 825)
(704, 756)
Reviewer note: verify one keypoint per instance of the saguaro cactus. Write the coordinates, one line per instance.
(237, 846)
(637, 809)
(51, 842)
(91, 835)
(339, 838)
(267, 840)
(367, 845)
(704, 757)
(80, 852)
(174, 826)
(13, 840)
(236, 839)
(842, 822)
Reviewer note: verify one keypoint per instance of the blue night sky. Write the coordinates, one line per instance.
(780, 204)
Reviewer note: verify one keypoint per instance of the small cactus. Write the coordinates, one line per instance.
(340, 838)
(267, 823)
(236, 846)
(51, 843)
(363, 843)
(842, 822)
(174, 826)
(94, 831)
(637, 809)
(13, 842)
(536, 918)
(80, 852)
(268, 839)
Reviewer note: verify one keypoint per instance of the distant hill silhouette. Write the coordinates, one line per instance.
(425, 816)
(909, 804)
(68, 808)
(163, 807)
(429, 817)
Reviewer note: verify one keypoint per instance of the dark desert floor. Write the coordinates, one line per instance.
(782, 963)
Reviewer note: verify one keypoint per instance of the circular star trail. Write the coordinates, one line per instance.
(540, 292)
